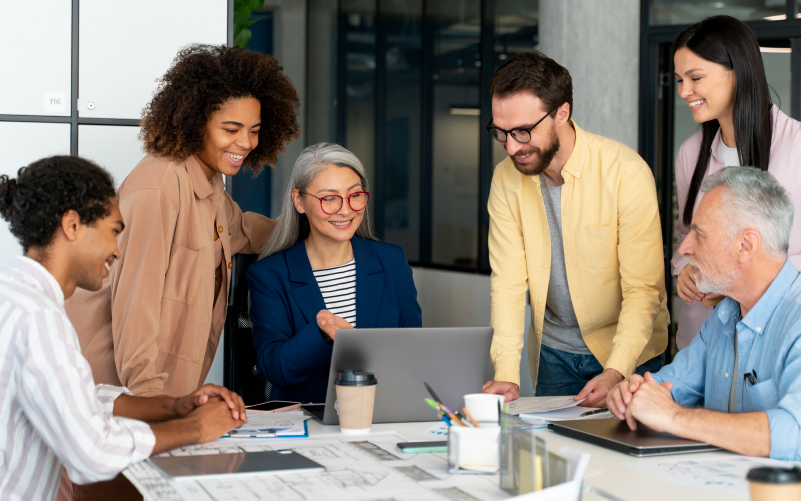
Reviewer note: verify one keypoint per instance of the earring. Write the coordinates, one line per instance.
(73, 237)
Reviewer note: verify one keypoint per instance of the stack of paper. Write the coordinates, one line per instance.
(283, 424)
(541, 409)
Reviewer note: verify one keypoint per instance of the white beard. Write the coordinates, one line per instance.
(722, 284)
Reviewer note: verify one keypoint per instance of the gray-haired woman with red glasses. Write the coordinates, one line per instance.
(322, 270)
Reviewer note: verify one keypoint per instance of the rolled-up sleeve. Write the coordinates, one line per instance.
(107, 394)
(70, 413)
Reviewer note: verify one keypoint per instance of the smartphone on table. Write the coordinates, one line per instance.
(421, 447)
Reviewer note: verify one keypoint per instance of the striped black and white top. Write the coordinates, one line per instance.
(338, 285)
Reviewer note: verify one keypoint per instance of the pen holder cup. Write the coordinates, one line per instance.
(473, 450)
(521, 466)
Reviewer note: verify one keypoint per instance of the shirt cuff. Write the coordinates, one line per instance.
(622, 363)
(783, 435)
(507, 370)
(107, 394)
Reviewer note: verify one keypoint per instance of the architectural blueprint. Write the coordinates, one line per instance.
(723, 473)
(368, 468)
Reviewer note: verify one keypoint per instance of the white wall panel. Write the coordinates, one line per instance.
(125, 46)
(36, 57)
(113, 147)
(21, 144)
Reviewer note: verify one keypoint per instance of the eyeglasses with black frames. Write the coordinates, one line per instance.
(331, 204)
(520, 134)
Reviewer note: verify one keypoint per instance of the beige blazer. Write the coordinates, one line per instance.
(154, 327)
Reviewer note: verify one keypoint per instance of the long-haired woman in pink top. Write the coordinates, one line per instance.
(718, 66)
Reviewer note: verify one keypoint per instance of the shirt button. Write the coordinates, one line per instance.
(546, 231)
(544, 265)
(539, 302)
(220, 229)
(230, 265)
(727, 374)
(759, 329)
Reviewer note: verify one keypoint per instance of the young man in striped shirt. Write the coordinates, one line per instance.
(65, 214)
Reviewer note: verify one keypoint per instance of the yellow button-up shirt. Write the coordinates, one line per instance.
(613, 254)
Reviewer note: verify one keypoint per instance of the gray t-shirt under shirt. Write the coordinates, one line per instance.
(560, 329)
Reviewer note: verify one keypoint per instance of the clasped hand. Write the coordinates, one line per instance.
(210, 392)
(643, 399)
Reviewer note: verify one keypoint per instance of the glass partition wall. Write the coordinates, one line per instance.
(403, 84)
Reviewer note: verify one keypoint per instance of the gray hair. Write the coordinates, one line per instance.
(293, 226)
(755, 200)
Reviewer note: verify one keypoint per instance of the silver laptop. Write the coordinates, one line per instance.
(451, 360)
(615, 434)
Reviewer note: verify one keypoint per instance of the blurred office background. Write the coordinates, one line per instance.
(402, 83)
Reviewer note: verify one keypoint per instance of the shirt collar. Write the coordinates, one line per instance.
(759, 315)
(578, 157)
(200, 183)
(39, 276)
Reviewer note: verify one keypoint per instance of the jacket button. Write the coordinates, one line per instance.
(219, 229)
(230, 265)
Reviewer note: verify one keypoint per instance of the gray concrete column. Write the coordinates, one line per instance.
(289, 45)
(598, 41)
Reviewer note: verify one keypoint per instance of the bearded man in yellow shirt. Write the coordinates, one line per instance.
(574, 221)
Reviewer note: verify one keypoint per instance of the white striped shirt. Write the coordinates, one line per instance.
(51, 412)
(338, 285)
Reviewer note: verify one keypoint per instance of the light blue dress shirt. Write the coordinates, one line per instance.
(769, 343)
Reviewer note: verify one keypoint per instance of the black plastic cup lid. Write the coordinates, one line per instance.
(770, 475)
(356, 378)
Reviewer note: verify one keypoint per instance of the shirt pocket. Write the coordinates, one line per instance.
(761, 397)
(183, 275)
(600, 246)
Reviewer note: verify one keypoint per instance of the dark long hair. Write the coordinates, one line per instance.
(726, 41)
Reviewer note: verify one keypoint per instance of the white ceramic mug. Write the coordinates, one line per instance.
(483, 406)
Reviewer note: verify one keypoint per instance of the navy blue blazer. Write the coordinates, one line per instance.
(285, 301)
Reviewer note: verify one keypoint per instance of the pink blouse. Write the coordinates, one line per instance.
(785, 165)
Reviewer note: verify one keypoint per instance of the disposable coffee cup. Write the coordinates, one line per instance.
(775, 484)
(355, 399)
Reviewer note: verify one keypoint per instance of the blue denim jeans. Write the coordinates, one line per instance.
(563, 373)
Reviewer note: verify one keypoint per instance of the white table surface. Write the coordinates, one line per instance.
(607, 470)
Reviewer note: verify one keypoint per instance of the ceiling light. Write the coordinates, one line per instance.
(474, 112)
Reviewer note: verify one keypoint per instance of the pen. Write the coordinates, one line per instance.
(470, 416)
(431, 391)
(590, 413)
(451, 415)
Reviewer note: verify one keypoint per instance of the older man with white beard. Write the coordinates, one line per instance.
(744, 367)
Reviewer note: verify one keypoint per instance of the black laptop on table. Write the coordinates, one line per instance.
(615, 434)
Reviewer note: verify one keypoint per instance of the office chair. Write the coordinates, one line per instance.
(240, 374)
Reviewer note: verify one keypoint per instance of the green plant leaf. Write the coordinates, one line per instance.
(242, 14)
(242, 38)
(250, 23)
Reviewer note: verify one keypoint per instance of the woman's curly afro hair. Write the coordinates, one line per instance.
(34, 202)
(200, 80)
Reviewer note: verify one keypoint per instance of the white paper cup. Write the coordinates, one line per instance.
(483, 406)
(477, 447)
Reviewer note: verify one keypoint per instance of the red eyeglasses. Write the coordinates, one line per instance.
(331, 204)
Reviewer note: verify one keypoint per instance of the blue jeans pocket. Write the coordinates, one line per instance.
(761, 397)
